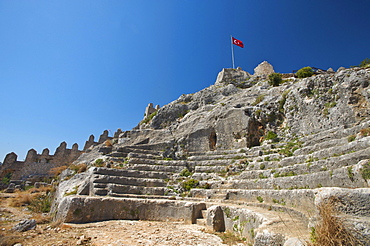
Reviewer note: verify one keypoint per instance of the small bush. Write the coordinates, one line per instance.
(149, 118)
(304, 72)
(350, 173)
(99, 163)
(41, 204)
(189, 184)
(275, 79)
(351, 138)
(6, 179)
(258, 100)
(271, 135)
(330, 229)
(365, 171)
(186, 173)
(260, 199)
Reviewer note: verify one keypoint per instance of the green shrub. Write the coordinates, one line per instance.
(304, 72)
(149, 118)
(275, 79)
(186, 173)
(189, 184)
(365, 63)
(365, 171)
(41, 204)
(351, 138)
(258, 100)
(99, 162)
(260, 199)
(6, 179)
(271, 135)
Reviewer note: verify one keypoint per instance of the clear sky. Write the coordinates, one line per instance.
(71, 68)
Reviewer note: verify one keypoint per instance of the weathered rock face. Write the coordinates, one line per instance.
(245, 142)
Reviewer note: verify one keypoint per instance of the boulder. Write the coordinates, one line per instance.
(25, 225)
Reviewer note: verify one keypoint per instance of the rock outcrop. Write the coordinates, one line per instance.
(240, 156)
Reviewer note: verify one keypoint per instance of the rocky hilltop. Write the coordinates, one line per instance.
(241, 156)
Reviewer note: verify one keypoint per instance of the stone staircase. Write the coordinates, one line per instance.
(276, 184)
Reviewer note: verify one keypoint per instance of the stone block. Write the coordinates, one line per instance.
(215, 219)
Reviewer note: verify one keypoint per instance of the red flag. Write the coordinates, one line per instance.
(238, 42)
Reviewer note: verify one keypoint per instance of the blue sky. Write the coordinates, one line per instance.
(69, 69)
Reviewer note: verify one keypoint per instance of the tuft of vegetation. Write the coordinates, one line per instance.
(56, 171)
(365, 63)
(351, 176)
(189, 184)
(185, 173)
(229, 238)
(365, 132)
(365, 171)
(275, 79)
(80, 168)
(258, 100)
(99, 162)
(149, 118)
(283, 100)
(259, 198)
(271, 136)
(304, 72)
(330, 229)
(351, 138)
(6, 179)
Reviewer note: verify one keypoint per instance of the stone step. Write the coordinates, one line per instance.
(144, 156)
(204, 213)
(132, 173)
(218, 157)
(149, 182)
(334, 133)
(271, 169)
(223, 162)
(301, 200)
(210, 169)
(117, 154)
(341, 177)
(157, 147)
(201, 222)
(362, 144)
(159, 168)
(157, 162)
(116, 190)
(133, 149)
(248, 151)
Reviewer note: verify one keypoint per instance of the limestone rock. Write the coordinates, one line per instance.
(215, 218)
(10, 189)
(264, 69)
(294, 242)
(268, 238)
(25, 225)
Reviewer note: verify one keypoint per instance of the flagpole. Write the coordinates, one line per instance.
(232, 50)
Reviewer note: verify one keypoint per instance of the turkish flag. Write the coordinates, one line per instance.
(238, 42)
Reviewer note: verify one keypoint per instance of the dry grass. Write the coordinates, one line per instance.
(41, 219)
(56, 171)
(23, 198)
(108, 143)
(330, 229)
(10, 238)
(78, 168)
